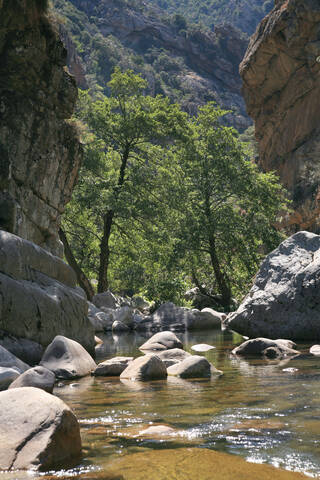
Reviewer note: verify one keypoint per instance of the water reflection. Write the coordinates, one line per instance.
(259, 410)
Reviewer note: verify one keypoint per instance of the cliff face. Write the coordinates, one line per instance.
(281, 76)
(39, 150)
(188, 65)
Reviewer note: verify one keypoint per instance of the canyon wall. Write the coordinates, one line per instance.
(281, 86)
(39, 150)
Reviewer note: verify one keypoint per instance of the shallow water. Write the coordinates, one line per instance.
(261, 411)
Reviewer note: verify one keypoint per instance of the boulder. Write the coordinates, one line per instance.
(140, 303)
(265, 346)
(162, 341)
(156, 430)
(148, 367)
(37, 430)
(8, 360)
(112, 367)
(124, 315)
(105, 299)
(38, 377)
(315, 350)
(100, 320)
(284, 300)
(26, 350)
(194, 366)
(67, 358)
(202, 347)
(7, 376)
(39, 295)
(120, 327)
(172, 356)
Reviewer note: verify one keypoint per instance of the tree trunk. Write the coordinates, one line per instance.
(83, 280)
(103, 283)
(221, 280)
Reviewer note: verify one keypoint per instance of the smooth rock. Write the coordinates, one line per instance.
(315, 350)
(120, 327)
(26, 350)
(265, 346)
(7, 376)
(173, 354)
(67, 358)
(194, 366)
(112, 367)
(38, 377)
(148, 367)
(156, 430)
(162, 341)
(202, 347)
(37, 430)
(105, 299)
(124, 315)
(284, 301)
(7, 359)
(100, 320)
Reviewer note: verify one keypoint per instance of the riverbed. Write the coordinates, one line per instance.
(264, 412)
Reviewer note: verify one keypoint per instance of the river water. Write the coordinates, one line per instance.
(266, 412)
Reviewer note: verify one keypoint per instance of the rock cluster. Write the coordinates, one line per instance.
(281, 87)
(40, 152)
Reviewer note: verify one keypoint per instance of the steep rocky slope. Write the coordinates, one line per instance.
(39, 150)
(281, 76)
(187, 64)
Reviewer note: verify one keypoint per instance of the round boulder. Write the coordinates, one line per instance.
(38, 377)
(7, 376)
(259, 346)
(162, 341)
(67, 358)
(112, 367)
(194, 366)
(148, 367)
(37, 431)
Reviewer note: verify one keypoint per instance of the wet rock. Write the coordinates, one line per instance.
(202, 347)
(37, 430)
(148, 367)
(162, 341)
(7, 376)
(265, 346)
(112, 367)
(284, 301)
(194, 366)
(38, 377)
(120, 327)
(67, 359)
(315, 350)
(8, 360)
(156, 430)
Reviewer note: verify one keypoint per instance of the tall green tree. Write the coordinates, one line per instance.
(130, 134)
(228, 208)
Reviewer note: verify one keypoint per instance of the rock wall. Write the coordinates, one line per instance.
(39, 149)
(281, 86)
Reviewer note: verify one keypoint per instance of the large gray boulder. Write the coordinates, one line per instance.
(285, 298)
(8, 360)
(100, 320)
(37, 430)
(67, 358)
(26, 350)
(38, 377)
(162, 341)
(148, 367)
(39, 298)
(105, 299)
(112, 367)
(7, 376)
(169, 315)
(266, 347)
(194, 366)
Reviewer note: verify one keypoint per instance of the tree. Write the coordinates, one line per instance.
(228, 207)
(129, 139)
